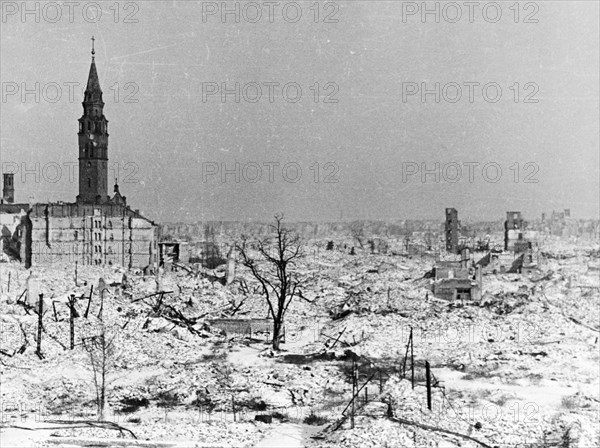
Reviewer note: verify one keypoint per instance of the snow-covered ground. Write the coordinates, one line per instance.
(520, 366)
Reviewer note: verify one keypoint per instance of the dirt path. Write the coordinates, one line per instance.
(286, 435)
(289, 435)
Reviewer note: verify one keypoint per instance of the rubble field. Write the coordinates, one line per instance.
(518, 367)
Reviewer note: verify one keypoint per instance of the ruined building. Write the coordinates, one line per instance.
(96, 228)
(8, 189)
(562, 224)
(452, 226)
(514, 227)
(454, 280)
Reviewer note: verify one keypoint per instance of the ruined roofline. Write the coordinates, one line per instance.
(6, 207)
(125, 210)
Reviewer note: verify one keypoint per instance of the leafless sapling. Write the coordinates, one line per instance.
(102, 353)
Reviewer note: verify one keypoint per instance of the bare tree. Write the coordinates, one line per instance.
(102, 352)
(357, 230)
(271, 261)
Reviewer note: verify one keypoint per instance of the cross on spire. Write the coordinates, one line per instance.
(93, 51)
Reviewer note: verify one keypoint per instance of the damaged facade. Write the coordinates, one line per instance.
(173, 252)
(451, 228)
(509, 263)
(95, 229)
(457, 280)
(514, 227)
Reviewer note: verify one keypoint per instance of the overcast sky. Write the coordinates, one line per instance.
(359, 142)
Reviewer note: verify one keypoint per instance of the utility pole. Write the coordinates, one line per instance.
(412, 359)
(72, 320)
(157, 258)
(39, 329)
(409, 345)
(428, 380)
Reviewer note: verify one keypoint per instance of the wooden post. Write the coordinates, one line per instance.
(408, 345)
(87, 309)
(157, 256)
(233, 407)
(54, 309)
(19, 299)
(428, 380)
(76, 273)
(157, 274)
(101, 304)
(8, 282)
(39, 329)
(72, 320)
(366, 394)
(353, 393)
(380, 382)
(412, 360)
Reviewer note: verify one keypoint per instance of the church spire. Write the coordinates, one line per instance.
(93, 142)
(93, 92)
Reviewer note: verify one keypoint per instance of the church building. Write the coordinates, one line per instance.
(97, 228)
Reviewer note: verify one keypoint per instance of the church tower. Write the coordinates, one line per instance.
(93, 142)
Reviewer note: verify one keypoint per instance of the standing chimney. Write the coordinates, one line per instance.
(8, 191)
